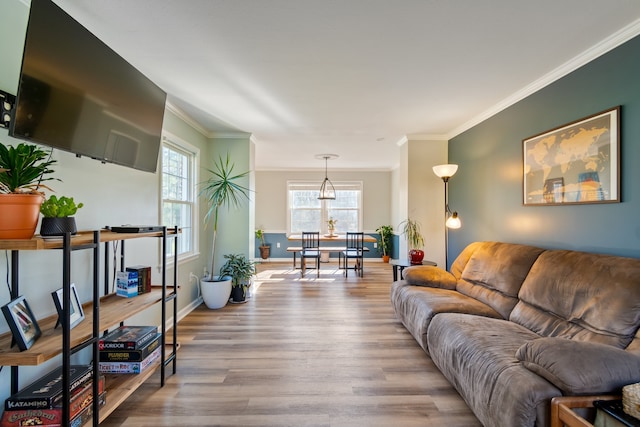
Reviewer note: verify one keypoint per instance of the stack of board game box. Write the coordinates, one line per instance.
(40, 403)
(129, 349)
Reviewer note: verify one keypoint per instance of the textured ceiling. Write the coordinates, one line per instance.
(352, 77)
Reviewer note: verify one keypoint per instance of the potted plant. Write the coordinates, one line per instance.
(331, 225)
(221, 189)
(384, 242)
(411, 230)
(58, 216)
(240, 269)
(265, 249)
(23, 169)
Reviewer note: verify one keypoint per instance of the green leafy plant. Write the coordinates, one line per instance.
(239, 268)
(23, 168)
(61, 207)
(221, 189)
(332, 223)
(384, 242)
(260, 235)
(411, 230)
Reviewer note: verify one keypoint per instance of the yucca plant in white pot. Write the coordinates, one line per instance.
(221, 189)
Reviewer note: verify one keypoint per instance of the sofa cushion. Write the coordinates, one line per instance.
(477, 355)
(415, 306)
(426, 275)
(581, 296)
(494, 274)
(577, 367)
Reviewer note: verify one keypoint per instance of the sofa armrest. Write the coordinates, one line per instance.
(429, 276)
(578, 367)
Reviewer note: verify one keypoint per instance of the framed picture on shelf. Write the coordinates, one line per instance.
(77, 314)
(22, 323)
(575, 163)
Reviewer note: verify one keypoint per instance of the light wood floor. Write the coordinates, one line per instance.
(300, 352)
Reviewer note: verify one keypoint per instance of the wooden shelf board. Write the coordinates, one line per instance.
(121, 386)
(49, 345)
(82, 238)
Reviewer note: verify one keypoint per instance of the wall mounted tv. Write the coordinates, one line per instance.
(78, 95)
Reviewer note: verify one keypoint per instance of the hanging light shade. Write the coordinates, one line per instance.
(327, 190)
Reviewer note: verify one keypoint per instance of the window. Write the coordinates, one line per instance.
(178, 194)
(307, 213)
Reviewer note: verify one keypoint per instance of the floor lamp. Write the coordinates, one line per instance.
(451, 218)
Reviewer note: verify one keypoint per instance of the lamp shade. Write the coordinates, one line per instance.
(453, 221)
(445, 171)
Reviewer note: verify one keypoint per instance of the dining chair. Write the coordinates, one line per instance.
(310, 249)
(354, 250)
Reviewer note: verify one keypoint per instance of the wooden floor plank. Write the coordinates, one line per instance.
(302, 351)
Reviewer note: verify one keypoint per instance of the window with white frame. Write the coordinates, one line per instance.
(307, 213)
(179, 165)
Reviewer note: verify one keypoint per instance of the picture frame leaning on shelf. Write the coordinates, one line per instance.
(22, 323)
(76, 315)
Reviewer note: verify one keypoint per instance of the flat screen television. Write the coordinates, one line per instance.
(76, 94)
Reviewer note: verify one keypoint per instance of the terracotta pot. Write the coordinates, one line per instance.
(385, 258)
(265, 251)
(416, 256)
(19, 215)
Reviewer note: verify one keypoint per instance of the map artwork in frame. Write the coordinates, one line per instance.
(574, 164)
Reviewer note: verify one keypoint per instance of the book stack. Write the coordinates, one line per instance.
(144, 277)
(40, 403)
(129, 349)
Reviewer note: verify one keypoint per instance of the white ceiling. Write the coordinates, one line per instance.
(352, 77)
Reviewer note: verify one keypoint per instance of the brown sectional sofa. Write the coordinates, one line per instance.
(512, 326)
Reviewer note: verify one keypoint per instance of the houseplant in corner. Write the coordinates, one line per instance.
(411, 230)
(58, 216)
(265, 249)
(23, 168)
(384, 242)
(221, 189)
(240, 269)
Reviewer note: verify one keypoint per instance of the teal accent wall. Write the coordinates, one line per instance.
(487, 190)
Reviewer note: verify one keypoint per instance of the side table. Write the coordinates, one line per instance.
(400, 264)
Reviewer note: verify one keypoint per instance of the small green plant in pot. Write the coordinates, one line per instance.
(265, 249)
(384, 242)
(58, 216)
(241, 270)
(411, 230)
(23, 169)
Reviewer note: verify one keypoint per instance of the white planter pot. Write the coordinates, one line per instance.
(216, 292)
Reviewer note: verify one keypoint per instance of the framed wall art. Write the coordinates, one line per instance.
(77, 314)
(575, 163)
(22, 323)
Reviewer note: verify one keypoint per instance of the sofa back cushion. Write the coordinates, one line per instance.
(581, 296)
(494, 274)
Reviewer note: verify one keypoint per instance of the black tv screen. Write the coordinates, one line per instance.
(78, 95)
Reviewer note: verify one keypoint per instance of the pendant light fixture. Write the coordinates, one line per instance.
(327, 190)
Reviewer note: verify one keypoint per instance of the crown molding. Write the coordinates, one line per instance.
(186, 118)
(616, 39)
